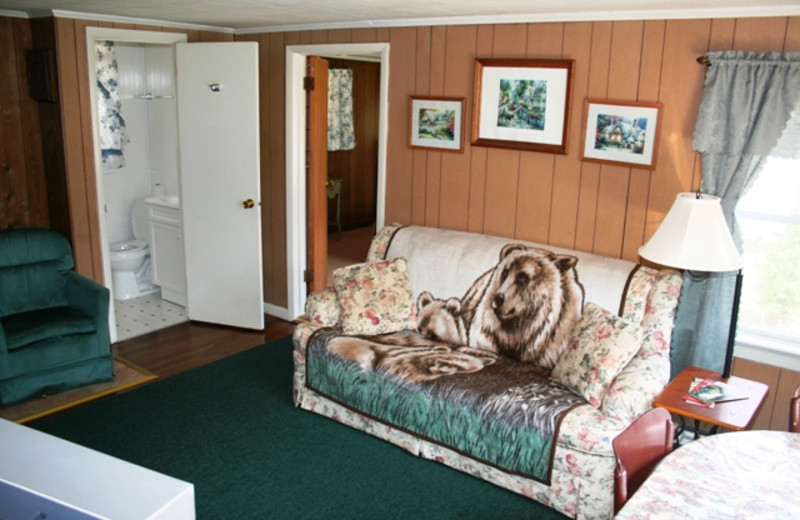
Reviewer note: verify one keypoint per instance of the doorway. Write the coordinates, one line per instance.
(134, 316)
(296, 152)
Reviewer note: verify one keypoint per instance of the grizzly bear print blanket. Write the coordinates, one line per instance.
(497, 410)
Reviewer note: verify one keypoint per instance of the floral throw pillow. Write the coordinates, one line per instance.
(601, 345)
(375, 297)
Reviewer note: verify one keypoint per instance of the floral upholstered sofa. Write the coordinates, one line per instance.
(515, 362)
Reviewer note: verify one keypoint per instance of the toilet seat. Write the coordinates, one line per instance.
(128, 247)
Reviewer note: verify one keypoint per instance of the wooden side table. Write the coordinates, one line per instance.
(732, 415)
(335, 192)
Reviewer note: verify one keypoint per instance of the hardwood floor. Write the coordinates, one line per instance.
(189, 345)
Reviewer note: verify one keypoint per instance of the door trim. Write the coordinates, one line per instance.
(296, 236)
(94, 34)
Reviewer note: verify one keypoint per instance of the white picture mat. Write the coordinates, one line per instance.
(631, 112)
(553, 132)
(427, 104)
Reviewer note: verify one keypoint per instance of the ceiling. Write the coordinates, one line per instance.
(266, 15)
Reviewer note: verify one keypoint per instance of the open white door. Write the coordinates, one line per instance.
(220, 186)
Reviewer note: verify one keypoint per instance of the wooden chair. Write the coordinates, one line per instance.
(794, 412)
(638, 449)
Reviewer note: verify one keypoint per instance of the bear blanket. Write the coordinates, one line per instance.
(484, 406)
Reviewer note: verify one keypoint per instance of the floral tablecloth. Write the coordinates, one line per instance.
(739, 475)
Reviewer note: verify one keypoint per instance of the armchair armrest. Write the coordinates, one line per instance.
(90, 297)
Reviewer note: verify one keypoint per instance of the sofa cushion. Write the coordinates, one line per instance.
(375, 297)
(29, 327)
(600, 347)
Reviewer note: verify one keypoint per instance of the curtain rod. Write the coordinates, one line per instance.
(704, 60)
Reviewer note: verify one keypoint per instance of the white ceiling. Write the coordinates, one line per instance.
(252, 15)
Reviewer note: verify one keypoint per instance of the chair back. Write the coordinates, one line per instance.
(638, 449)
(33, 262)
(794, 412)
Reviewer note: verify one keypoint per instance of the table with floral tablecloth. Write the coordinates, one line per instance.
(738, 475)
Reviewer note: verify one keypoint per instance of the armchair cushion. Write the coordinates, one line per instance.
(29, 327)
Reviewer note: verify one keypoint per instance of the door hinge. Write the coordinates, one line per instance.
(308, 83)
(308, 275)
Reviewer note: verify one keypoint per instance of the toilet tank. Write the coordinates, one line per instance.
(139, 220)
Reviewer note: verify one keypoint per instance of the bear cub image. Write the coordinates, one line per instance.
(524, 307)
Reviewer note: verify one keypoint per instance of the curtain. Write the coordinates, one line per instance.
(747, 100)
(113, 134)
(341, 134)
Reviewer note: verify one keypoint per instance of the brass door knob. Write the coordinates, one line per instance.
(249, 203)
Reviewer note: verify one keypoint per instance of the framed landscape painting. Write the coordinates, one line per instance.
(622, 133)
(522, 104)
(437, 123)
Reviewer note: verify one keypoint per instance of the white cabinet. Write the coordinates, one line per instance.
(166, 248)
(42, 476)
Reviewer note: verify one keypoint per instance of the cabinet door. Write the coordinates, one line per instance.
(166, 250)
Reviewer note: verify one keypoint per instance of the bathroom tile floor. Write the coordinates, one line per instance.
(149, 313)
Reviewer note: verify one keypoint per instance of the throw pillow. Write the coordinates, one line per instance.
(601, 345)
(375, 297)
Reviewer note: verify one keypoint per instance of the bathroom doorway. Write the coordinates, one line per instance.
(228, 291)
(145, 75)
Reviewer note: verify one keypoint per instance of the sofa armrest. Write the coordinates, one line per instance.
(92, 298)
(322, 307)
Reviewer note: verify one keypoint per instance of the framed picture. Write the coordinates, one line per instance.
(437, 123)
(522, 104)
(622, 133)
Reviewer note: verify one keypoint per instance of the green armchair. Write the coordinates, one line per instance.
(53, 322)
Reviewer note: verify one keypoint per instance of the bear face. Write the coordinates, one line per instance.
(441, 319)
(413, 363)
(527, 306)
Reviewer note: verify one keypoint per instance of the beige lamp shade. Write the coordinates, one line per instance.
(694, 236)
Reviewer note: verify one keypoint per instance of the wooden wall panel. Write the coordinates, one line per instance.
(400, 159)
(478, 154)
(458, 71)
(14, 173)
(760, 34)
(567, 170)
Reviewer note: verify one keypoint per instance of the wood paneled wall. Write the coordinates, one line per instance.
(546, 198)
(23, 190)
(552, 199)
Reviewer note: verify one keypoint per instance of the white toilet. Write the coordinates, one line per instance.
(130, 261)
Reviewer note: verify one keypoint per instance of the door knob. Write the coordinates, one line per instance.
(249, 203)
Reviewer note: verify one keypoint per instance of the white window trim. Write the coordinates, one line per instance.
(762, 348)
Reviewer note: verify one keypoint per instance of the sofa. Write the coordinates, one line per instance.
(54, 332)
(515, 362)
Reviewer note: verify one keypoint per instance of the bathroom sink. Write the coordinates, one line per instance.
(172, 201)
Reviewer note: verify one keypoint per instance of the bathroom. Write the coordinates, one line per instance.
(144, 165)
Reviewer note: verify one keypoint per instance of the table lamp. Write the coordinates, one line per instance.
(695, 236)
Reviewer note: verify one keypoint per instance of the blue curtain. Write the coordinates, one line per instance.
(748, 99)
(113, 133)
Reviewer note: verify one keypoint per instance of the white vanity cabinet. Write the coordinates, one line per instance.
(166, 248)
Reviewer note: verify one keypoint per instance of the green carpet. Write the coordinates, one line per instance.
(230, 428)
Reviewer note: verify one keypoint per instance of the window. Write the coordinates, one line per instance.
(769, 219)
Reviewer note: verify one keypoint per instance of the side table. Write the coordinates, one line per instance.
(335, 192)
(732, 415)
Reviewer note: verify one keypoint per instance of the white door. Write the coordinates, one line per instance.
(220, 187)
